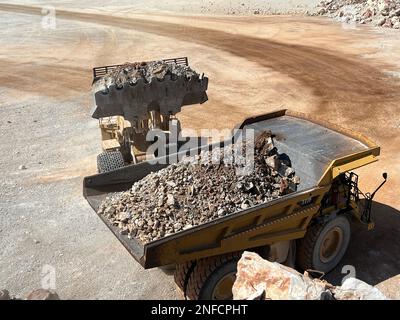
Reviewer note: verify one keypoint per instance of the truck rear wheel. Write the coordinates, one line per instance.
(109, 161)
(182, 274)
(324, 245)
(212, 278)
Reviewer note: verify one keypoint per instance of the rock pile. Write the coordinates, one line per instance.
(385, 13)
(199, 189)
(132, 72)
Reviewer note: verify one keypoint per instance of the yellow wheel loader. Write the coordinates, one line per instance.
(127, 113)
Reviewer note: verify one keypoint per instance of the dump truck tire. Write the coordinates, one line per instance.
(109, 161)
(210, 273)
(182, 274)
(324, 245)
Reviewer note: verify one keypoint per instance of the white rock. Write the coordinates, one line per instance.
(394, 20)
(244, 205)
(171, 183)
(382, 6)
(170, 199)
(355, 289)
(381, 22)
(259, 278)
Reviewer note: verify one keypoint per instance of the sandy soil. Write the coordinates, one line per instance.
(214, 7)
(255, 64)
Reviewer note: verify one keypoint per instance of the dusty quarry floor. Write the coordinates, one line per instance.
(347, 75)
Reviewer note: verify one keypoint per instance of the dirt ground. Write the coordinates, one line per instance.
(348, 75)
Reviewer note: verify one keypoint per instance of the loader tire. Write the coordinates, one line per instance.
(212, 278)
(109, 161)
(324, 245)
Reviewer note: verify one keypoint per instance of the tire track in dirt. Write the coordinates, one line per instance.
(339, 81)
(52, 80)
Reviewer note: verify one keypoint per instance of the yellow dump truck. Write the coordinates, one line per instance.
(308, 228)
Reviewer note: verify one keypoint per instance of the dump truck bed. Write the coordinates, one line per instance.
(310, 146)
(318, 151)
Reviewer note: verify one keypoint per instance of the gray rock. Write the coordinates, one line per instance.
(109, 210)
(124, 217)
(273, 162)
(133, 72)
(160, 201)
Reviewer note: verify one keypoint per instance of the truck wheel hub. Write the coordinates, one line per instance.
(331, 244)
(223, 288)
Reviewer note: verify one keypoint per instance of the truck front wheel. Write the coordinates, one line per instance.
(212, 278)
(324, 245)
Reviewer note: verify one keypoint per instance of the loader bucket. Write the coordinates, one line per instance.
(135, 100)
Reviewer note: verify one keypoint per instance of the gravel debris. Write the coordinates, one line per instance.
(199, 189)
(381, 13)
(148, 71)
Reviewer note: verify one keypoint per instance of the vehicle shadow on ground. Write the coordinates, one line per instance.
(375, 255)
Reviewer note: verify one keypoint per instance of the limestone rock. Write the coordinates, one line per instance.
(355, 289)
(255, 274)
(390, 287)
(377, 12)
(258, 278)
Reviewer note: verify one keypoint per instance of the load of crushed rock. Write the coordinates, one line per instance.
(385, 13)
(199, 189)
(132, 72)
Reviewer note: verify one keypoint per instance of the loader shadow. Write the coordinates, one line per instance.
(375, 255)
